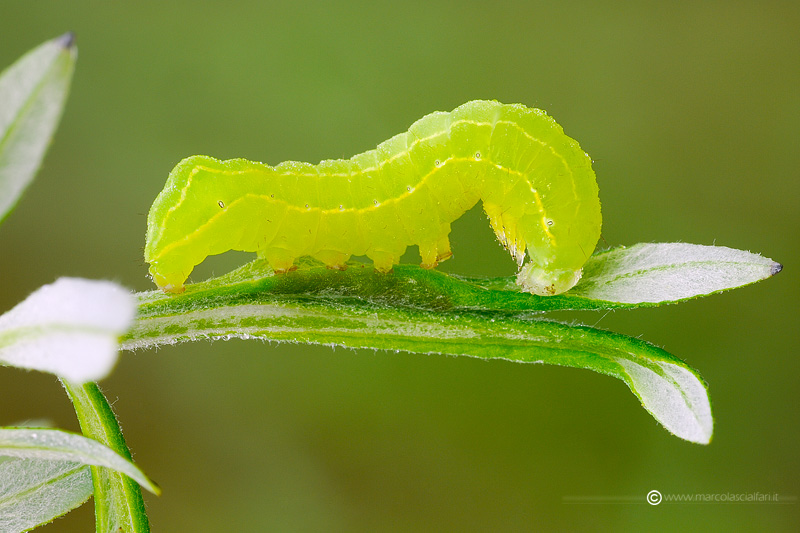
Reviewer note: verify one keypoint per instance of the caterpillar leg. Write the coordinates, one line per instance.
(384, 261)
(506, 228)
(166, 286)
(333, 260)
(279, 259)
(434, 253)
(443, 248)
(169, 277)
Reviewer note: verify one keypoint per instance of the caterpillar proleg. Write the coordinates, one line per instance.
(536, 184)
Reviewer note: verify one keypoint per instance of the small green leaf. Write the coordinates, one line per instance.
(59, 445)
(36, 491)
(419, 311)
(660, 273)
(32, 95)
(673, 393)
(70, 328)
(118, 503)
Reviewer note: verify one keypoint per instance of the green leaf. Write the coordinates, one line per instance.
(59, 445)
(32, 95)
(36, 491)
(70, 328)
(669, 272)
(425, 312)
(118, 502)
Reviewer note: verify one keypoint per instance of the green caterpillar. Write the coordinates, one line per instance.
(537, 187)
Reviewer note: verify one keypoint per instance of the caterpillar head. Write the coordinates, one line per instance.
(557, 251)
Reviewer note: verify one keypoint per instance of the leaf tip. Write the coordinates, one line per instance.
(775, 268)
(154, 487)
(703, 438)
(67, 41)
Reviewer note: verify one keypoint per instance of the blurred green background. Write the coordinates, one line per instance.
(690, 111)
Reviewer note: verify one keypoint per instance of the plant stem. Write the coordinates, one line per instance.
(118, 498)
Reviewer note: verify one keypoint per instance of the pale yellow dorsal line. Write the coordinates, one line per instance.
(382, 163)
(402, 153)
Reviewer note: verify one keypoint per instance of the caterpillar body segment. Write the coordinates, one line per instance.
(536, 184)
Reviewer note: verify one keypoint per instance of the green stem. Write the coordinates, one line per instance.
(118, 498)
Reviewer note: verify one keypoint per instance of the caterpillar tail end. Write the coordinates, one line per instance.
(536, 280)
(170, 286)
